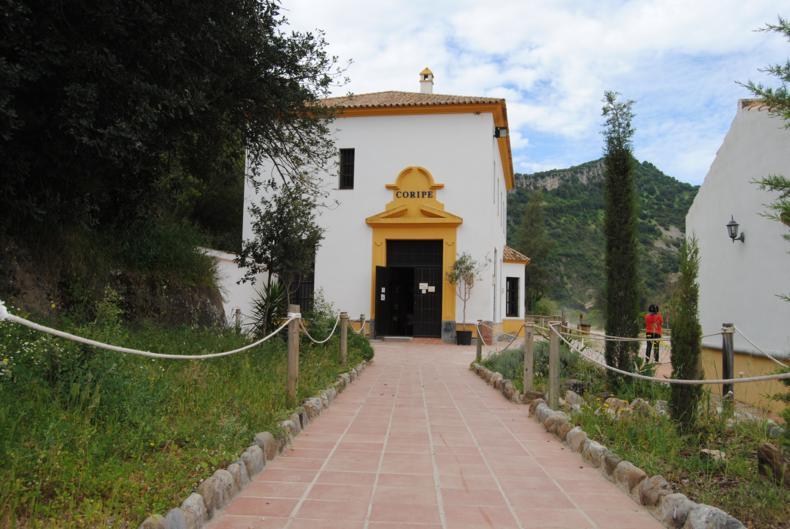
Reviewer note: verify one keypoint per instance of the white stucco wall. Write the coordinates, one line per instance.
(739, 282)
(234, 295)
(459, 150)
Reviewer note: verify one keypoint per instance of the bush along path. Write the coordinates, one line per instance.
(92, 438)
(672, 509)
(216, 492)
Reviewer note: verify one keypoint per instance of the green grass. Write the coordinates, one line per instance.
(735, 486)
(510, 363)
(91, 438)
(654, 444)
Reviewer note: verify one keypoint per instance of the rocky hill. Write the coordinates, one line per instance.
(574, 209)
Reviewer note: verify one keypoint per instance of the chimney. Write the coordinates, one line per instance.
(426, 81)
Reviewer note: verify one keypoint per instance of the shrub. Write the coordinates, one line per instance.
(686, 337)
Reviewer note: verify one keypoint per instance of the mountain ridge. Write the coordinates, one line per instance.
(574, 212)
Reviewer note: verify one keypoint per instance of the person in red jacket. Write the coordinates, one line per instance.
(653, 323)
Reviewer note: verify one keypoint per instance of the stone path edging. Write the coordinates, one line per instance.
(215, 492)
(674, 510)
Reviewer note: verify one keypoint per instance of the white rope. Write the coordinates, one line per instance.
(496, 349)
(361, 327)
(681, 381)
(301, 323)
(756, 347)
(4, 315)
(3, 311)
(609, 338)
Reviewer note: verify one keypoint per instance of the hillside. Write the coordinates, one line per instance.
(574, 209)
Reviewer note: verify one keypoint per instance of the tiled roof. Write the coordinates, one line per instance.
(403, 99)
(514, 256)
(752, 104)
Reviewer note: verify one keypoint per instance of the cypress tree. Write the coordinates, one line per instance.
(686, 336)
(620, 230)
(532, 241)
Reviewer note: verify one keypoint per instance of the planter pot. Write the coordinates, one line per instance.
(463, 337)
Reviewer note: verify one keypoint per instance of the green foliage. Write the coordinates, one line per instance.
(574, 212)
(286, 236)
(462, 275)
(268, 308)
(777, 99)
(92, 438)
(654, 444)
(510, 363)
(686, 339)
(115, 111)
(620, 229)
(532, 240)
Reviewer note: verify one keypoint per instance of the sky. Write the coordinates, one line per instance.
(679, 61)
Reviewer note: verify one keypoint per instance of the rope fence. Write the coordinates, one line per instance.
(304, 329)
(777, 361)
(293, 322)
(680, 381)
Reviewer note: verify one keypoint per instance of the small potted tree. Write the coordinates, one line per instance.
(462, 276)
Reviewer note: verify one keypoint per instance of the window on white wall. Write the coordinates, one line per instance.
(511, 297)
(346, 169)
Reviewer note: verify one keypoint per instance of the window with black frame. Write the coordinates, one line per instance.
(511, 297)
(346, 169)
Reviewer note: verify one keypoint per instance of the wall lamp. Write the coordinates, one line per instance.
(732, 230)
(500, 132)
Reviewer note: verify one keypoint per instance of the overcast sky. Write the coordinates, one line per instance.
(552, 61)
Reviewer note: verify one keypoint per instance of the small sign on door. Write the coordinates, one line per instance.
(431, 288)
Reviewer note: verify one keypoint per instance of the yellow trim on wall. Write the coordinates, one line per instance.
(511, 326)
(753, 393)
(420, 218)
(446, 234)
(499, 110)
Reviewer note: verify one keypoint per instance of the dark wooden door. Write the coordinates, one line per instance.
(427, 301)
(382, 307)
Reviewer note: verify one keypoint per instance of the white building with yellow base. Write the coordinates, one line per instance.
(422, 178)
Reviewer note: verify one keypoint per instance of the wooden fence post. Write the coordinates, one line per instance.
(554, 367)
(529, 357)
(237, 319)
(361, 324)
(344, 339)
(727, 359)
(293, 356)
(479, 342)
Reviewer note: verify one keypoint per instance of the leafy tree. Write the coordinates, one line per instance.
(620, 229)
(533, 241)
(463, 275)
(686, 337)
(777, 99)
(286, 236)
(112, 111)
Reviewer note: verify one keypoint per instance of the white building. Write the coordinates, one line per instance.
(740, 280)
(422, 178)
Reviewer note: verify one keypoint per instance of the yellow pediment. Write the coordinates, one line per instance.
(414, 201)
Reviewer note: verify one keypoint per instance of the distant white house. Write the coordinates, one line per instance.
(421, 179)
(740, 280)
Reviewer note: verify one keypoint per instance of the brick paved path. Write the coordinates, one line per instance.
(420, 442)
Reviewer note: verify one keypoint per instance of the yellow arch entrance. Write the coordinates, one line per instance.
(414, 213)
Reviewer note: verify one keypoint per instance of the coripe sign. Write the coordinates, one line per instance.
(413, 194)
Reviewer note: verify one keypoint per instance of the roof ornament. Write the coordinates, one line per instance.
(426, 81)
